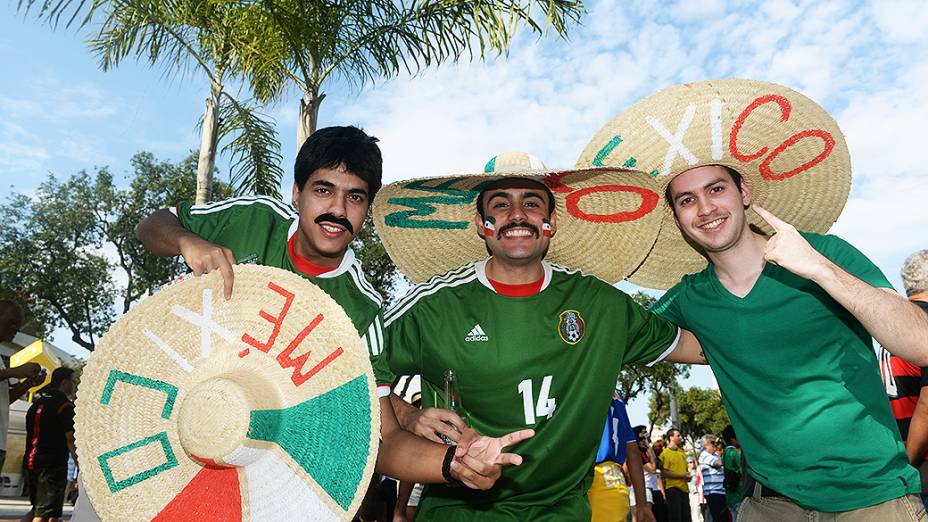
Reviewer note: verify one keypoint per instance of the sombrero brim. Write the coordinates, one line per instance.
(262, 407)
(787, 147)
(606, 220)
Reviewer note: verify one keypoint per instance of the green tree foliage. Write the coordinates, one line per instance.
(701, 411)
(637, 379)
(375, 262)
(205, 37)
(69, 251)
(309, 44)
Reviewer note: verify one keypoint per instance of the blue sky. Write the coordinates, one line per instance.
(864, 62)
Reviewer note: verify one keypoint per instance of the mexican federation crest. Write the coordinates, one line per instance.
(571, 327)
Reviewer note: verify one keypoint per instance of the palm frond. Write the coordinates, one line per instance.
(254, 150)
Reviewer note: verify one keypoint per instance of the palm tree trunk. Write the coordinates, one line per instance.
(209, 134)
(309, 116)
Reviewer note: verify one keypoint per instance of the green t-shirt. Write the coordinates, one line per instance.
(731, 463)
(548, 361)
(800, 381)
(258, 229)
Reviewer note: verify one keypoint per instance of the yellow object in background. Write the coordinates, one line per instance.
(37, 352)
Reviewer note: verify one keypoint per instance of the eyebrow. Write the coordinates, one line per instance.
(329, 184)
(707, 185)
(504, 194)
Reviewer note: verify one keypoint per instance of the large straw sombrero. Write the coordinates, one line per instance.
(789, 150)
(606, 219)
(257, 408)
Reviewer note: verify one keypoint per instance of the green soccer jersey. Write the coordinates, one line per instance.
(260, 230)
(548, 361)
(800, 381)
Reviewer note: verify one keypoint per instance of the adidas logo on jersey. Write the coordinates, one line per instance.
(476, 334)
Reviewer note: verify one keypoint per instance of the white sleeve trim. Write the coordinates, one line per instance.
(383, 390)
(668, 351)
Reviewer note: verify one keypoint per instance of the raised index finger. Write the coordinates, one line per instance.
(775, 222)
(516, 437)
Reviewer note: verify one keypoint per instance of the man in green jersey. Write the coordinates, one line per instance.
(533, 345)
(336, 176)
(785, 317)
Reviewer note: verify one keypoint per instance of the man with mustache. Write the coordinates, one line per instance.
(544, 349)
(336, 176)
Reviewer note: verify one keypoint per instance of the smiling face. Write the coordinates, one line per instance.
(710, 208)
(519, 210)
(332, 207)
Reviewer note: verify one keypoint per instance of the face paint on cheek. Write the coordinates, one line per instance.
(489, 226)
(546, 229)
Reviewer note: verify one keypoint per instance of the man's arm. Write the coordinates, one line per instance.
(428, 422)
(24, 371)
(72, 449)
(162, 234)
(18, 389)
(898, 325)
(636, 475)
(477, 462)
(688, 350)
(916, 444)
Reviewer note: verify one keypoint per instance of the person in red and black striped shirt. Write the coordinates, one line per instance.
(906, 383)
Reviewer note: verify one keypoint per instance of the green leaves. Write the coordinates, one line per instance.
(253, 147)
(69, 251)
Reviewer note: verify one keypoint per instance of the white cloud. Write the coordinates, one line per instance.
(901, 20)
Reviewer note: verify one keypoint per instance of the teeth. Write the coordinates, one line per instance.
(331, 229)
(518, 232)
(712, 224)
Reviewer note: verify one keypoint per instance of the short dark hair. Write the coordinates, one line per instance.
(734, 174)
(333, 146)
(670, 432)
(728, 434)
(497, 182)
(59, 375)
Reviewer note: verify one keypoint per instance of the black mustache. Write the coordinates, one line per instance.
(334, 219)
(514, 224)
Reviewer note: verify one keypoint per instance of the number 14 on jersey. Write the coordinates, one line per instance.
(544, 407)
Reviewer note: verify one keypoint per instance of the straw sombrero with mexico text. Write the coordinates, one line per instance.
(257, 408)
(606, 218)
(789, 150)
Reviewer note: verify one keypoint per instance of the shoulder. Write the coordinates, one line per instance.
(245, 205)
(689, 284)
(355, 274)
(576, 278)
(431, 290)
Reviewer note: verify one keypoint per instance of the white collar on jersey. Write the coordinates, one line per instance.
(343, 267)
(481, 268)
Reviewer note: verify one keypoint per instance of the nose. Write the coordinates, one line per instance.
(705, 206)
(338, 207)
(516, 213)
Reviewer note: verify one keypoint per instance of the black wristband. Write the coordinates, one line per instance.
(446, 465)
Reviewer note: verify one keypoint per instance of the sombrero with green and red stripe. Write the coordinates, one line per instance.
(787, 147)
(261, 407)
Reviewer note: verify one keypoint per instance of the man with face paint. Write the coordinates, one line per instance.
(553, 342)
(336, 176)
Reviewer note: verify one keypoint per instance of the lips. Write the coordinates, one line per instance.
(518, 233)
(330, 230)
(517, 230)
(712, 225)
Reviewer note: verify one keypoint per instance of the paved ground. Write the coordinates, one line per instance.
(13, 508)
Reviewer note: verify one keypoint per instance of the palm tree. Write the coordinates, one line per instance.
(188, 36)
(275, 45)
(310, 43)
